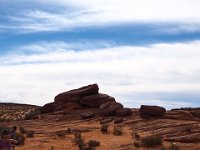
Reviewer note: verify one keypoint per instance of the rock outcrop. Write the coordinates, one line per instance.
(151, 111)
(86, 97)
(51, 107)
(96, 100)
(87, 115)
(109, 108)
(76, 94)
(124, 112)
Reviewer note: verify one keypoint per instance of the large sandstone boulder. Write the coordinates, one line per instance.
(76, 94)
(87, 115)
(124, 112)
(109, 108)
(151, 111)
(51, 107)
(96, 100)
(71, 106)
(118, 120)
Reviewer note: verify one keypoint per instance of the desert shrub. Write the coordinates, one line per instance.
(32, 114)
(30, 133)
(37, 111)
(78, 140)
(60, 133)
(135, 135)
(2, 120)
(20, 138)
(22, 130)
(52, 148)
(69, 130)
(117, 130)
(173, 146)
(149, 141)
(93, 143)
(137, 144)
(104, 128)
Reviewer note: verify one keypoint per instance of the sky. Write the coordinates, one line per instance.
(138, 51)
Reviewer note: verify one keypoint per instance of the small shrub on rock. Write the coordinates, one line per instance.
(22, 130)
(60, 133)
(135, 135)
(151, 140)
(78, 140)
(69, 130)
(20, 138)
(93, 143)
(104, 128)
(137, 144)
(173, 146)
(117, 130)
(30, 133)
(30, 115)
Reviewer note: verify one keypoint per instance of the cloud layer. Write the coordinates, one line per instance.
(134, 75)
(67, 15)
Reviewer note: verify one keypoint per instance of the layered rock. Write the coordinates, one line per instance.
(96, 100)
(124, 112)
(51, 107)
(109, 108)
(151, 111)
(87, 115)
(76, 94)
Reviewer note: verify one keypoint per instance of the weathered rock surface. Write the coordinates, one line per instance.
(76, 94)
(151, 111)
(192, 138)
(124, 112)
(87, 115)
(118, 120)
(106, 120)
(51, 107)
(96, 100)
(109, 108)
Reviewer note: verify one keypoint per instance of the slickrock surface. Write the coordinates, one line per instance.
(179, 126)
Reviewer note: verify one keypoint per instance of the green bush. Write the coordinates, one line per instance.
(149, 141)
(32, 114)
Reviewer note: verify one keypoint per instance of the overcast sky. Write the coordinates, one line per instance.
(138, 51)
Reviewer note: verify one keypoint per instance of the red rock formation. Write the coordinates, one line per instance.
(109, 108)
(51, 107)
(96, 100)
(76, 94)
(151, 111)
(87, 115)
(124, 112)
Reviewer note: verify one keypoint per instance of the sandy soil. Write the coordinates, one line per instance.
(173, 127)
